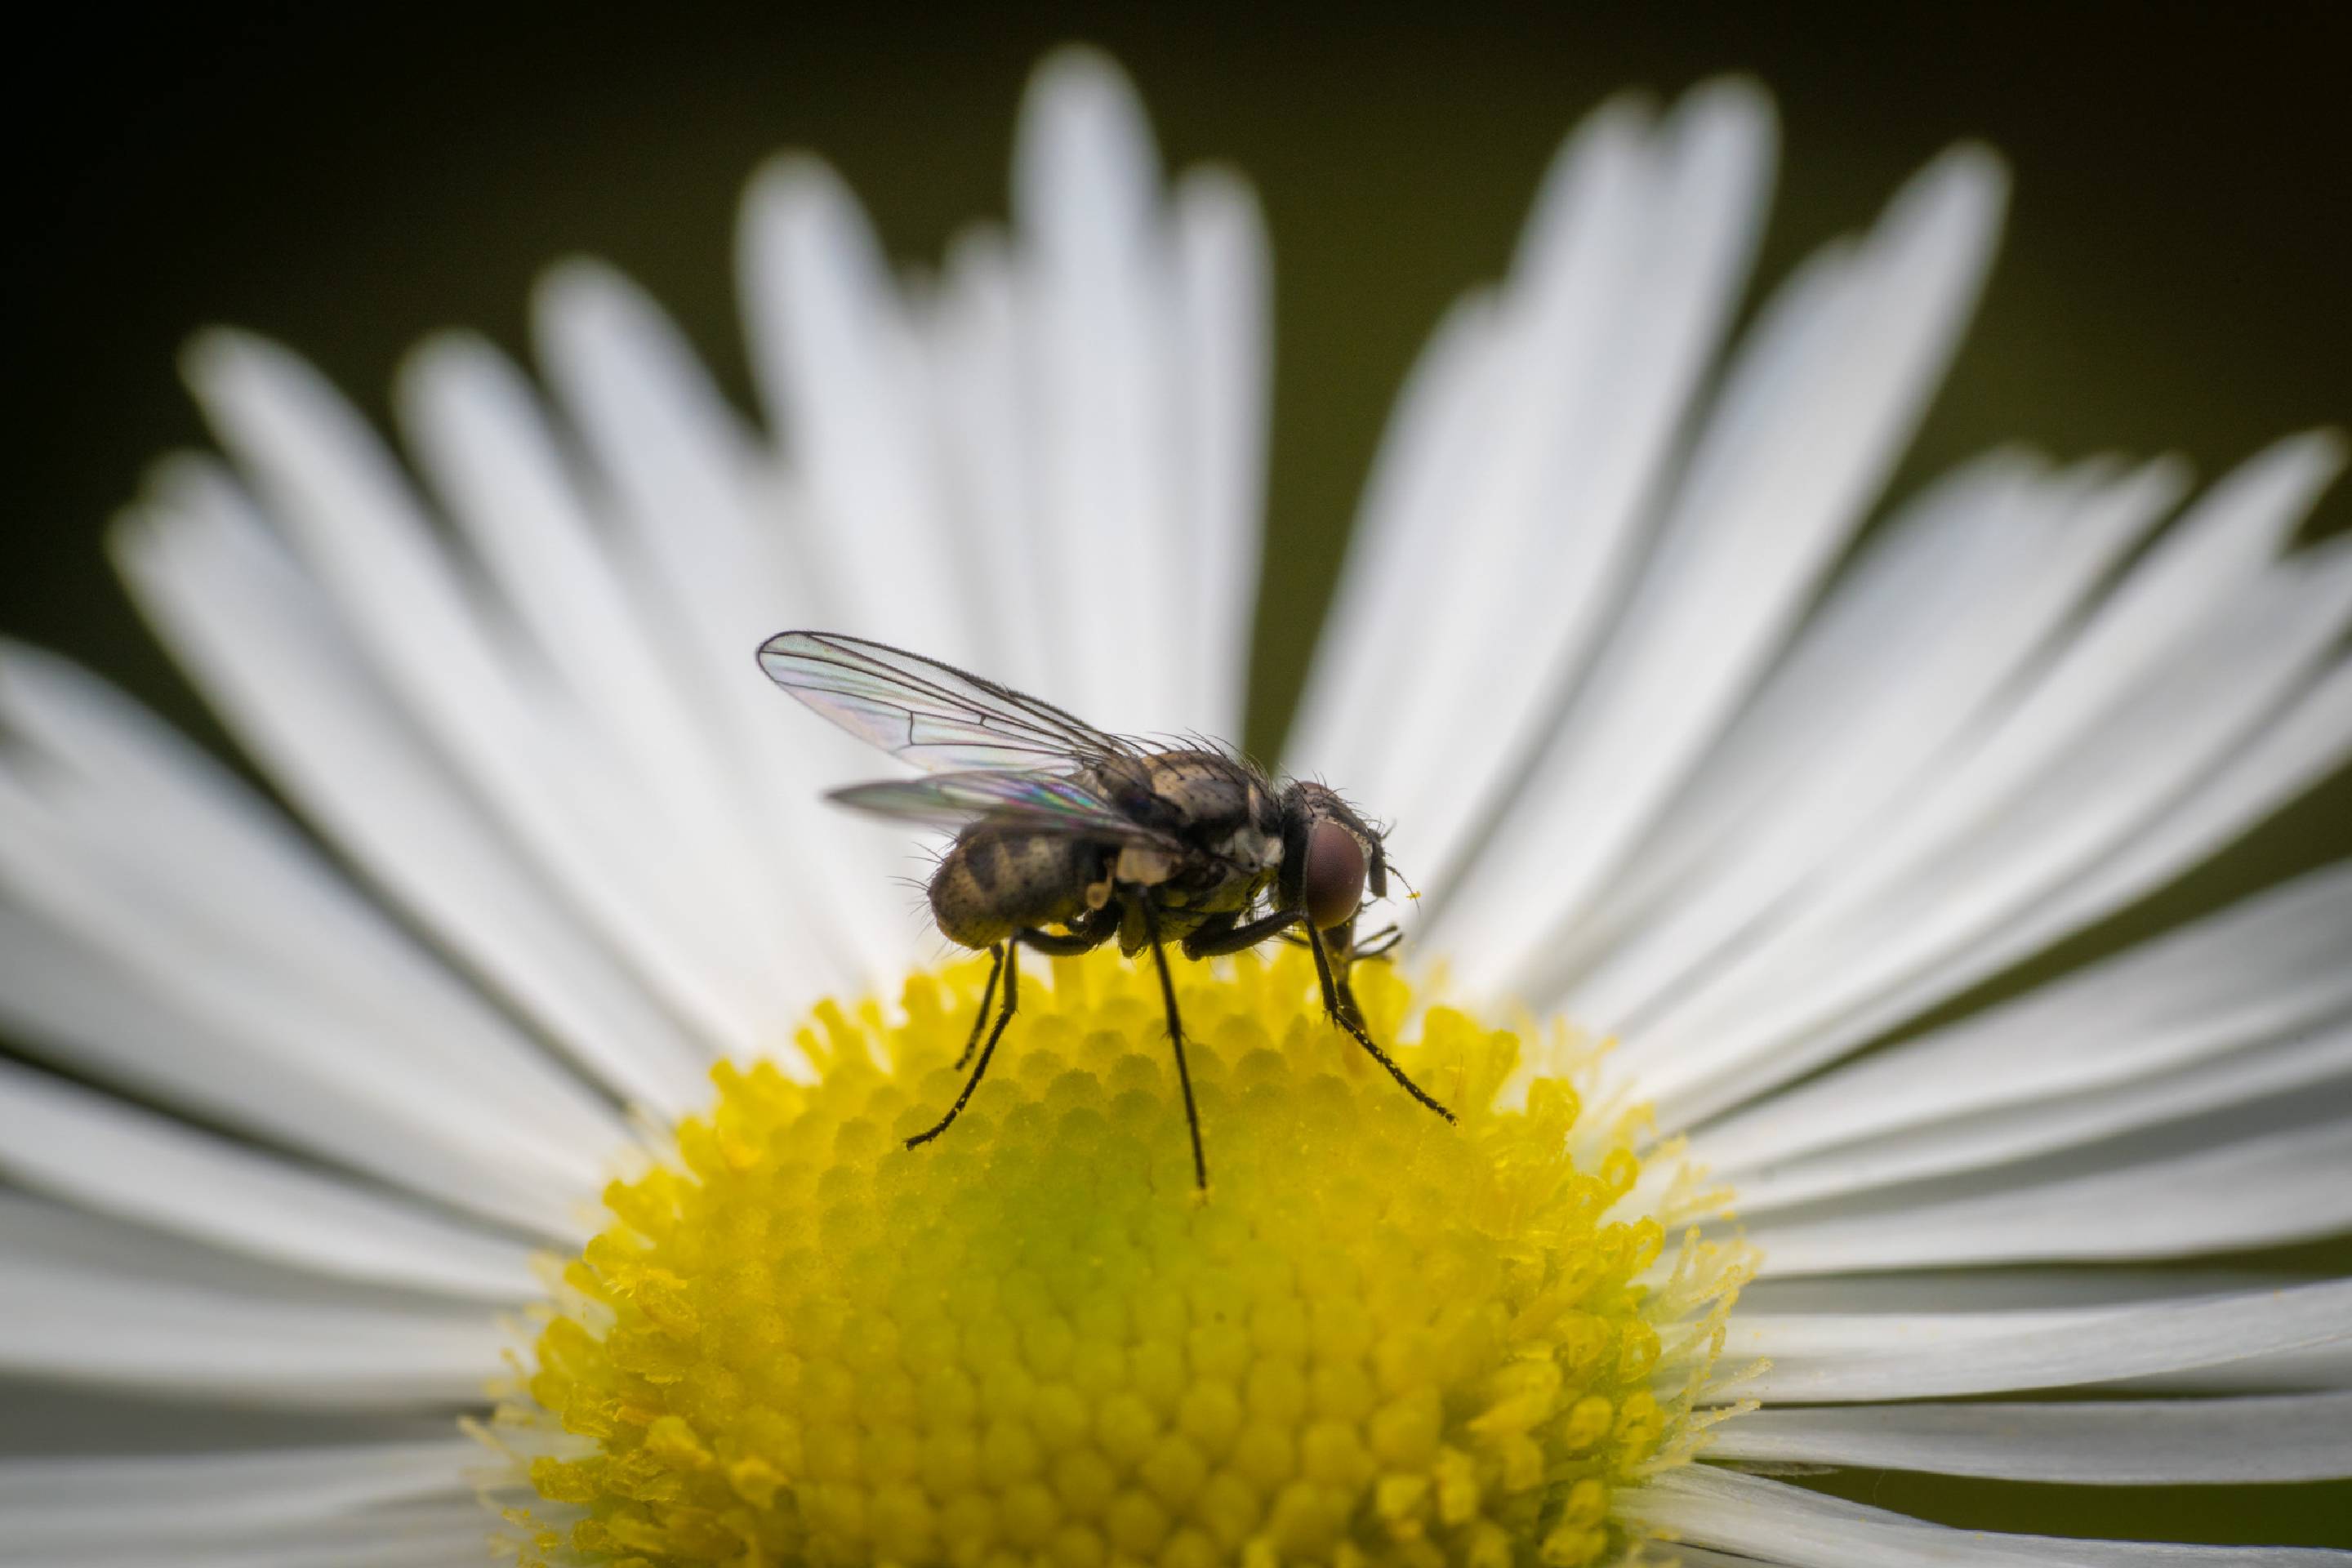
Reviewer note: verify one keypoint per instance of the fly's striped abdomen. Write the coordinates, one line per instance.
(996, 880)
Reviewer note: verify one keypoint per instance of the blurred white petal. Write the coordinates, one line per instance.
(2143, 1442)
(1718, 1508)
(1842, 1358)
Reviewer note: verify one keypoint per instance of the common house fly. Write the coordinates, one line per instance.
(1067, 836)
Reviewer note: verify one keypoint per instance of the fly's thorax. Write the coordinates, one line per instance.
(1142, 866)
(994, 881)
(1197, 795)
(1251, 849)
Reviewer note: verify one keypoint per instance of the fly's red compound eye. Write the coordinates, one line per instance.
(1334, 883)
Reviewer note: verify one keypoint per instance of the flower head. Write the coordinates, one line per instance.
(808, 1342)
(331, 1133)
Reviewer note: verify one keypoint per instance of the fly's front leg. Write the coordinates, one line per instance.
(1215, 938)
(1175, 1036)
(1339, 952)
(1380, 944)
(1339, 1002)
(1009, 961)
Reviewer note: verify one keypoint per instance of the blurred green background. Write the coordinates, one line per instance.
(347, 179)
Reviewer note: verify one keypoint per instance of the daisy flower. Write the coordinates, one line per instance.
(502, 1142)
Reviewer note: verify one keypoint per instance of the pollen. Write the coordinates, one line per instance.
(1376, 1338)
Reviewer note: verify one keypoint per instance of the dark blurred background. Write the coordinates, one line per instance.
(349, 178)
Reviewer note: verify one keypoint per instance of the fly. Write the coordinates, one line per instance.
(1067, 836)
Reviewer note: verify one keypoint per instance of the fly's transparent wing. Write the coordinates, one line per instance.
(930, 714)
(1046, 801)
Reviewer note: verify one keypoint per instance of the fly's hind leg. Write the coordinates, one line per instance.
(1339, 1002)
(1008, 964)
(1086, 937)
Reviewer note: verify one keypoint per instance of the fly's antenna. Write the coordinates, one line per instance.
(1410, 890)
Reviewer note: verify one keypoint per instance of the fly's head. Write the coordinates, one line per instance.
(1331, 855)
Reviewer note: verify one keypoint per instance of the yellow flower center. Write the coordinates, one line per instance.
(1378, 1338)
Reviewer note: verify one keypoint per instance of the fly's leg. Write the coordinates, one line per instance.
(1338, 999)
(1380, 944)
(1062, 946)
(1086, 938)
(1214, 940)
(987, 999)
(1339, 1002)
(1009, 962)
(1176, 1038)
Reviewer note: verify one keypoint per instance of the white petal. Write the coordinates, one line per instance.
(2126, 771)
(1602, 377)
(2305, 742)
(134, 805)
(56, 1504)
(1928, 579)
(42, 1420)
(1943, 1291)
(840, 374)
(525, 1170)
(2323, 1367)
(1223, 343)
(85, 1301)
(2264, 967)
(1094, 301)
(2004, 1136)
(2309, 738)
(66, 1002)
(1340, 731)
(1810, 420)
(1837, 1358)
(241, 617)
(722, 544)
(1540, 405)
(976, 342)
(2260, 1191)
(2190, 580)
(1713, 1506)
(502, 473)
(1616, 303)
(2174, 673)
(1939, 616)
(1810, 1318)
(342, 501)
(2145, 1441)
(428, 1533)
(100, 1152)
